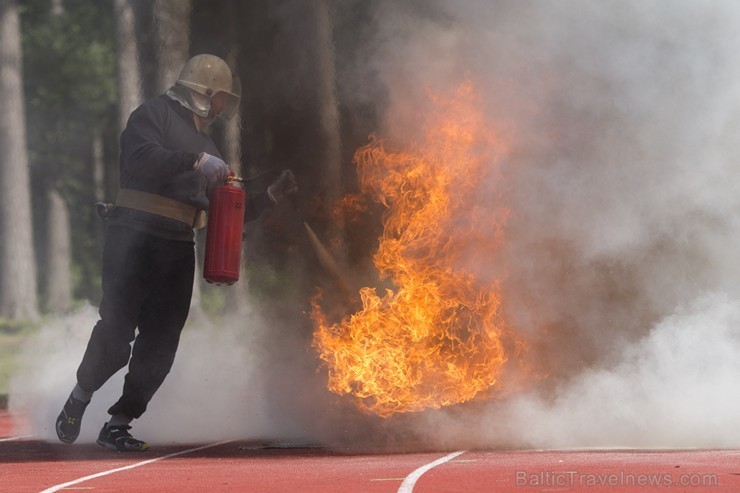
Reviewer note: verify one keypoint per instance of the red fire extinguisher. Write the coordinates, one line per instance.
(224, 233)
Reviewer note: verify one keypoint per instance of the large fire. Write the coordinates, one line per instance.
(435, 338)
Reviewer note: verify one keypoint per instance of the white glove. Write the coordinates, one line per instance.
(214, 168)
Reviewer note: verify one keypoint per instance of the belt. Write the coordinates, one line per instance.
(162, 206)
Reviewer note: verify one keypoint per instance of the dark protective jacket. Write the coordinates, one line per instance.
(159, 147)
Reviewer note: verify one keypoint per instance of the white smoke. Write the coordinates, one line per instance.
(622, 179)
(224, 383)
(621, 176)
(676, 388)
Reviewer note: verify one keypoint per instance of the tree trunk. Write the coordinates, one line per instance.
(129, 76)
(326, 90)
(129, 69)
(291, 120)
(59, 252)
(99, 172)
(172, 25)
(57, 264)
(18, 296)
(236, 295)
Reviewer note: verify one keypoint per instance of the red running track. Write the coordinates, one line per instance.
(28, 465)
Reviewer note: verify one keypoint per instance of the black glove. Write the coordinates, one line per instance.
(283, 186)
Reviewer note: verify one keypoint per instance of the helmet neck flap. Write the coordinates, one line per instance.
(197, 103)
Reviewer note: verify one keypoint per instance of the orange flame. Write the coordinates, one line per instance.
(435, 338)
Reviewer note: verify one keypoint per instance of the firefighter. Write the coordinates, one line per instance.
(166, 164)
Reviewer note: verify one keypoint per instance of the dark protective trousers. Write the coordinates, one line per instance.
(147, 283)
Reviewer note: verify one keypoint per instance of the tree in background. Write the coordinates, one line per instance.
(57, 286)
(128, 73)
(87, 64)
(58, 279)
(18, 297)
(70, 89)
(290, 118)
(172, 42)
(232, 147)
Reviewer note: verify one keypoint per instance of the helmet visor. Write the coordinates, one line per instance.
(231, 100)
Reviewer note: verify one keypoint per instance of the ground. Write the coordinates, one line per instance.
(31, 465)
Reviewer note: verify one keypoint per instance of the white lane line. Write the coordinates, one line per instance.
(410, 481)
(18, 437)
(132, 466)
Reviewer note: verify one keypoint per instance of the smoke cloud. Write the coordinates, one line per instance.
(621, 174)
(229, 380)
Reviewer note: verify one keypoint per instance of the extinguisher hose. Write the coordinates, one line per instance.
(253, 178)
(326, 260)
(322, 253)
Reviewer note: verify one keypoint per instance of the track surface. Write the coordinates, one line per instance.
(28, 465)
